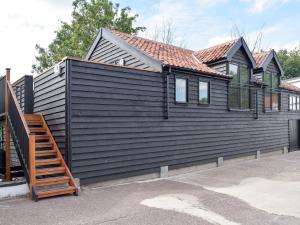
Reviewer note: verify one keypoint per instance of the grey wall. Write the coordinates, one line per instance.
(107, 52)
(50, 99)
(118, 127)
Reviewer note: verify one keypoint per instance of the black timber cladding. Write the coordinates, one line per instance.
(50, 99)
(23, 89)
(107, 52)
(272, 67)
(2, 96)
(109, 48)
(118, 126)
(241, 57)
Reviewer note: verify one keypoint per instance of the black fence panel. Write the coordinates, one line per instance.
(2, 95)
(23, 89)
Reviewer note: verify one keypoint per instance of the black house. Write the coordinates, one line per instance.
(134, 105)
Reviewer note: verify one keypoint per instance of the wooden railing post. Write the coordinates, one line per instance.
(32, 172)
(7, 130)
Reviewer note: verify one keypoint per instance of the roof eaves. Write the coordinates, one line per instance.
(93, 46)
(211, 74)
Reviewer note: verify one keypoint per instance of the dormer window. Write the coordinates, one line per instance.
(239, 92)
(271, 99)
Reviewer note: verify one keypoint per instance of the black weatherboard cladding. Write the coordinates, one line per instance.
(50, 99)
(107, 52)
(23, 89)
(118, 127)
(2, 97)
(272, 67)
(241, 57)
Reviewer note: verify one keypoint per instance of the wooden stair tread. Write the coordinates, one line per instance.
(43, 144)
(55, 192)
(45, 153)
(50, 171)
(32, 117)
(41, 137)
(37, 129)
(45, 162)
(34, 123)
(52, 181)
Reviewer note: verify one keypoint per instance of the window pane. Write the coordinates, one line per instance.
(181, 90)
(245, 98)
(267, 79)
(275, 101)
(244, 74)
(274, 81)
(294, 103)
(267, 100)
(234, 93)
(203, 92)
(298, 103)
(233, 71)
(291, 102)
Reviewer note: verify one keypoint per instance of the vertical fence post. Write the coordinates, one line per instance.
(7, 130)
(32, 172)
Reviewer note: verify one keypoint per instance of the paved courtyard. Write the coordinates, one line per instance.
(265, 191)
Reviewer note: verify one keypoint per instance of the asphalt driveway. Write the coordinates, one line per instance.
(265, 191)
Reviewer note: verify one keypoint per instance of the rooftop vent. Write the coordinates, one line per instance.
(121, 62)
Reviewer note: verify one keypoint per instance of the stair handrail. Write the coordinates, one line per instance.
(31, 176)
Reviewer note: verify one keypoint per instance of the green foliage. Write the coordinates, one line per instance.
(74, 39)
(290, 61)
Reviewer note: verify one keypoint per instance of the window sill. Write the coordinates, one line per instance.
(203, 105)
(271, 111)
(181, 103)
(240, 110)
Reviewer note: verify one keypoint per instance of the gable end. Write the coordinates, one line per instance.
(237, 48)
(135, 57)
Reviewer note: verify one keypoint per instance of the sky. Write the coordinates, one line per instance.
(196, 24)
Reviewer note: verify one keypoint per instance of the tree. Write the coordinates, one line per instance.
(290, 61)
(165, 33)
(74, 38)
(253, 40)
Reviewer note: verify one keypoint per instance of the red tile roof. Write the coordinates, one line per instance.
(216, 52)
(168, 54)
(260, 57)
(289, 86)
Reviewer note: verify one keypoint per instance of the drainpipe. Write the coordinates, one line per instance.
(166, 86)
(256, 100)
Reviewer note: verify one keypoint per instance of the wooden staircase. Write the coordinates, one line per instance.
(49, 174)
